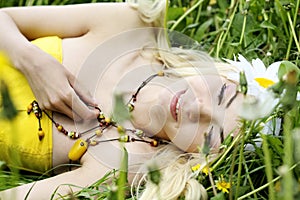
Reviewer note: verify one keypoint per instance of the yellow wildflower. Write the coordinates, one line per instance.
(206, 170)
(196, 167)
(223, 185)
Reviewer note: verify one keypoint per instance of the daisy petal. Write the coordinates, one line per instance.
(272, 71)
(259, 67)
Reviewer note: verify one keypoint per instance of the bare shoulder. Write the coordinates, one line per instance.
(112, 16)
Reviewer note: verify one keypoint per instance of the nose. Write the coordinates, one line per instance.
(198, 110)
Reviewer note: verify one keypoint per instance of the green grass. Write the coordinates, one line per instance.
(269, 30)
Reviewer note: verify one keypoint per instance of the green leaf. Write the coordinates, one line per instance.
(122, 180)
(201, 30)
(219, 196)
(276, 144)
(286, 67)
(267, 24)
(120, 110)
(174, 13)
(154, 174)
(84, 195)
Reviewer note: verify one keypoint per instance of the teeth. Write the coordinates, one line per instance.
(177, 105)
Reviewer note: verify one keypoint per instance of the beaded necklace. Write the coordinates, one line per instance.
(80, 146)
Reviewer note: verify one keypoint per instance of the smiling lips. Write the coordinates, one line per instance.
(175, 104)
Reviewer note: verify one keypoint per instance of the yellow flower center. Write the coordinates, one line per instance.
(264, 82)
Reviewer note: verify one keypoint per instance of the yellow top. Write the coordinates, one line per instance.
(19, 140)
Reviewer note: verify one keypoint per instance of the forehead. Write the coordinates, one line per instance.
(206, 81)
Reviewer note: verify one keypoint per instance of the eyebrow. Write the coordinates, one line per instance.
(221, 94)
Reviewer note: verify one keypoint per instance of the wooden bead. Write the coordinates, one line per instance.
(154, 143)
(77, 150)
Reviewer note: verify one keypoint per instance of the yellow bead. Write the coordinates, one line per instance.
(130, 107)
(101, 116)
(160, 73)
(41, 134)
(77, 150)
(107, 120)
(29, 108)
(59, 128)
(120, 129)
(71, 134)
(124, 138)
(98, 132)
(93, 143)
(154, 143)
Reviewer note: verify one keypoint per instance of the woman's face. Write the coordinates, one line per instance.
(185, 109)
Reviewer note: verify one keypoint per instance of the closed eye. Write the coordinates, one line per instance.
(221, 95)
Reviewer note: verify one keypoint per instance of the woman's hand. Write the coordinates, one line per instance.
(54, 87)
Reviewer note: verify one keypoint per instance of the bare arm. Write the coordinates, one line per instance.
(90, 172)
(38, 21)
(28, 23)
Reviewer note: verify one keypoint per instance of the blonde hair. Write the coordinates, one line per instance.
(150, 11)
(177, 177)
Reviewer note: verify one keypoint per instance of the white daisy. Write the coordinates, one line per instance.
(259, 102)
(259, 77)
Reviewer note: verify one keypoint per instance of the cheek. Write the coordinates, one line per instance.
(187, 136)
(149, 118)
(230, 120)
(232, 124)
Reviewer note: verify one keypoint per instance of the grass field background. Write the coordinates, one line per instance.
(265, 29)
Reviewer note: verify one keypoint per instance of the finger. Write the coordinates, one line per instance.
(67, 110)
(82, 109)
(82, 91)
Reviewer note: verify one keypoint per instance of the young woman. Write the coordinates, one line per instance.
(74, 59)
